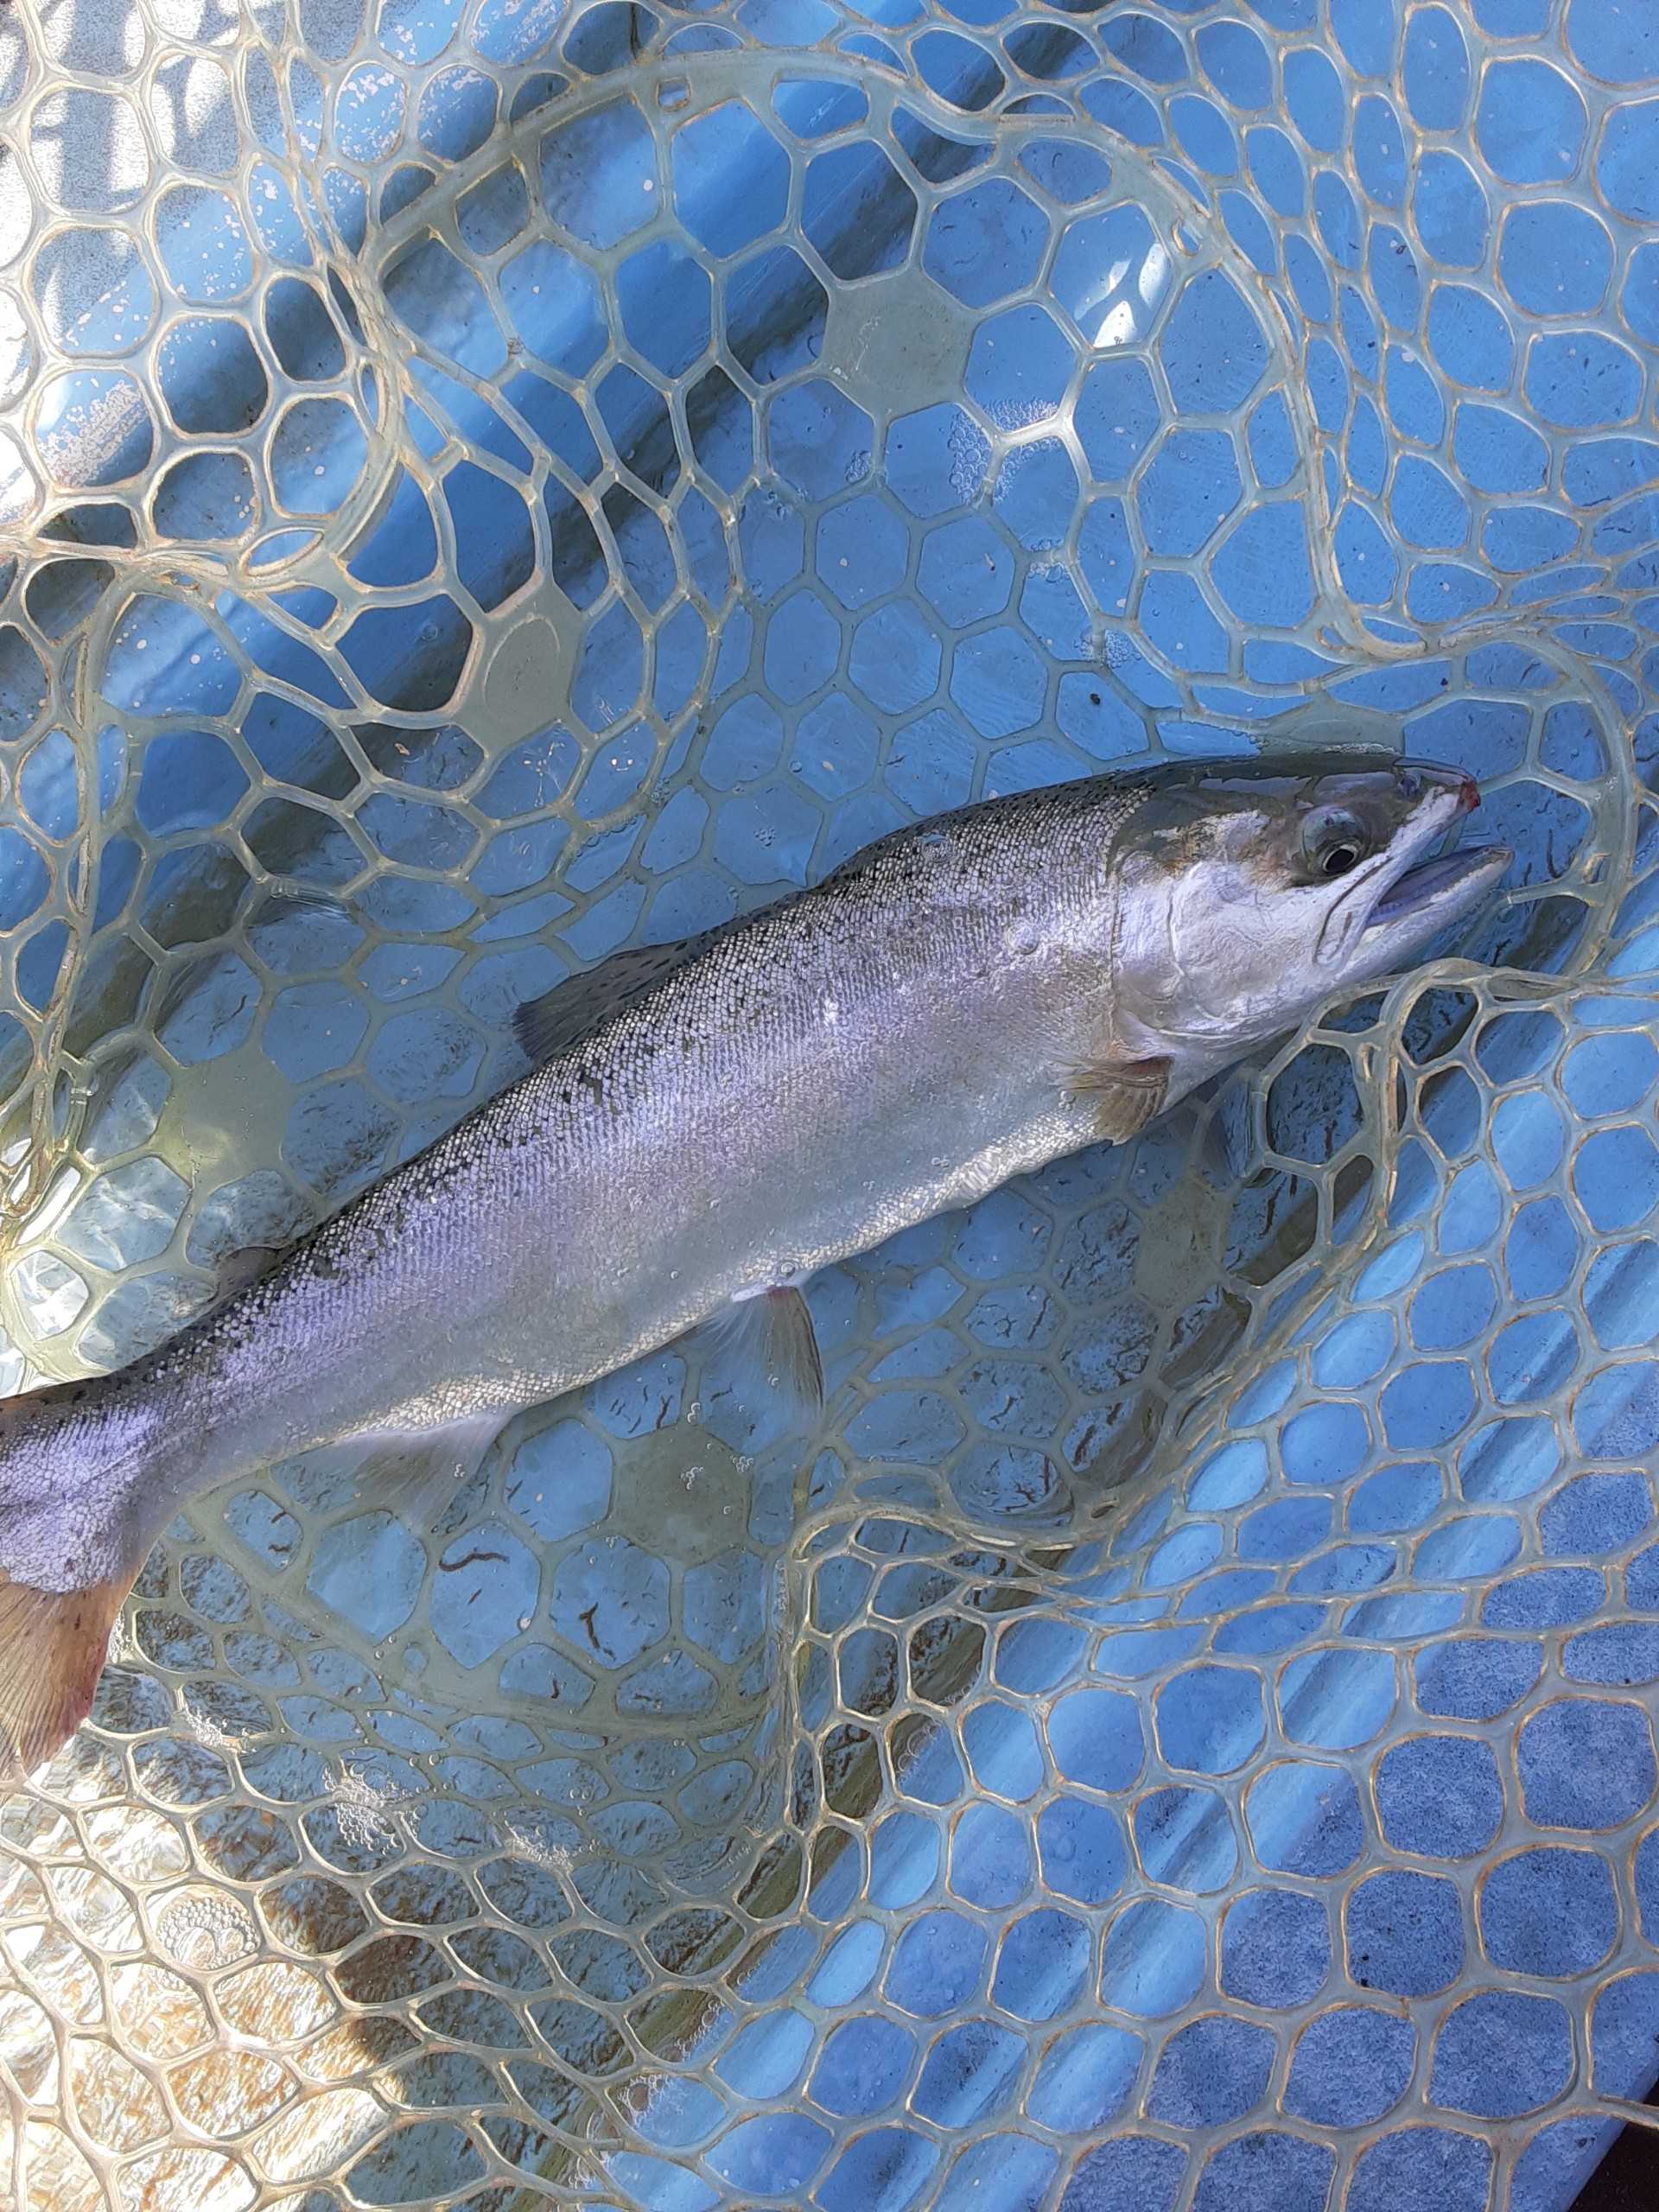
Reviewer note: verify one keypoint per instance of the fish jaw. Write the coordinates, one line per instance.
(1436, 892)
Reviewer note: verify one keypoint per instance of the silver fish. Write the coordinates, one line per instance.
(710, 1123)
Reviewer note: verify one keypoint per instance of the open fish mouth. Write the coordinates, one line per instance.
(1450, 881)
(1429, 886)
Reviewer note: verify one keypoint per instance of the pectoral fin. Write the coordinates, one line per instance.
(1123, 1095)
(567, 1012)
(770, 1337)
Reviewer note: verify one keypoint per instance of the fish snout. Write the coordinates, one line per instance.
(1416, 778)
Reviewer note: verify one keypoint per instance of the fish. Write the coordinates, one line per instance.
(706, 1125)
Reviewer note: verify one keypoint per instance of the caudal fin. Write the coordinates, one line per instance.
(53, 1646)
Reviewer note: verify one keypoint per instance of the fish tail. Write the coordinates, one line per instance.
(73, 1534)
(53, 1646)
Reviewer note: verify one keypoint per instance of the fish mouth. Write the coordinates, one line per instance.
(1442, 887)
(1432, 880)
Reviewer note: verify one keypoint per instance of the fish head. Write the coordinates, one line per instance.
(1251, 893)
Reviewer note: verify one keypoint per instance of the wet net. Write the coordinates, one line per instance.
(484, 482)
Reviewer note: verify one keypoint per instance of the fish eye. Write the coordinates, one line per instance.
(1334, 844)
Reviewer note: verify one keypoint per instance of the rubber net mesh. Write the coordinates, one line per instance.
(484, 482)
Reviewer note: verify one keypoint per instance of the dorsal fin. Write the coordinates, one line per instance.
(563, 1015)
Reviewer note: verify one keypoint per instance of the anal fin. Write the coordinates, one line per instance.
(418, 1473)
(769, 1335)
(52, 1647)
(1123, 1095)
